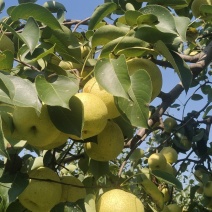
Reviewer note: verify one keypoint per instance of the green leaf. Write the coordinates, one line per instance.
(100, 13)
(98, 168)
(25, 93)
(54, 6)
(182, 26)
(178, 64)
(145, 32)
(147, 19)
(196, 97)
(6, 43)
(58, 91)
(45, 53)
(24, 11)
(65, 42)
(3, 197)
(6, 60)
(122, 43)
(69, 121)
(168, 178)
(19, 184)
(7, 86)
(176, 4)
(127, 129)
(31, 34)
(131, 17)
(89, 202)
(3, 142)
(15, 206)
(113, 76)
(2, 5)
(166, 21)
(112, 33)
(208, 109)
(136, 110)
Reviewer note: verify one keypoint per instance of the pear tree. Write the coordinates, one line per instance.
(109, 113)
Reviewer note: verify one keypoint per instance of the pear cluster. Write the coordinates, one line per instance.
(46, 189)
(163, 160)
(99, 110)
(35, 128)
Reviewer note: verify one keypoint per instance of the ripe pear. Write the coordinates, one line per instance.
(118, 200)
(95, 115)
(152, 69)
(196, 4)
(174, 208)
(169, 124)
(72, 189)
(110, 143)
(169, 169)
(37, 129)
(157, 161)
(41, 195)
(93, 87)
(170, 154)
(58, 141)
(207, 189)
(166, 194)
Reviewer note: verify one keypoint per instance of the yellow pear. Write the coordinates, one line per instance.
(72, 189)
(169, 124)
(169, 169)
(37, 129)
(174, 208)
(196, 4)
(58, 141)
(207, 189)
(118, 200)
(157, 161)
(152, 69)
(170, 154)
(110, 143)
(41, 195)
(95, 115)
(93, 87)
(166, 194)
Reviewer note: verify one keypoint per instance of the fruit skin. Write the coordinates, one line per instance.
(157, 161)
(170, 154)
(169, 169)
(58, 141)
(41, 196)
(71, 193)
(119, 201)
(38, 130)
(169, 124)
(207, 189)
(93, 87)
(174, 208)
(152, 69)
(95, 115)
(166, 194)
(196, 4)
(110, 143)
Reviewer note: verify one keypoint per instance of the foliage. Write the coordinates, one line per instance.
(46, 59)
